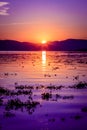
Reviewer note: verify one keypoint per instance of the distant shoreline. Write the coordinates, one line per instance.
(66, 45)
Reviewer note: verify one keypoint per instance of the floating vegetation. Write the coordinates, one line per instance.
(63, 119)
(4, 91)
(46, 96)
(76, 77)
(54, 87)
(64, 97)
(68, 97)
(15, 104)
(84, 109)
(24, 92)
(77, 117)
(52, 120)
(58, 96)
(55, 68)
(8, 114)
(50, 87)
(24, 87)
(31, 105)
(0, 127)
(8, 74)
(1, 101)
(80, 85)
(55, 75)
(47, 75)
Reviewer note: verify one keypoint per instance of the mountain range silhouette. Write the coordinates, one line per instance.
(65, 45)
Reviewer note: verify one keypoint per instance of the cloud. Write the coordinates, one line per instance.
(18, 23)
(3, 3)
(4, 8)
(15, 24)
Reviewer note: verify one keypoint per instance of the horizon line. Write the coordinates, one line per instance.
(47, 41)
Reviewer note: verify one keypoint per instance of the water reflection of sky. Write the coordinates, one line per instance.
(48, 100)
(42, 68)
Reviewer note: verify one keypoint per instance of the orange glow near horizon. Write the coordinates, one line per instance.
(44, 42)
(35, 34)
(37, 20)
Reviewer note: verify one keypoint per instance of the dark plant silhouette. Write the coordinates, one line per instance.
(46, 96)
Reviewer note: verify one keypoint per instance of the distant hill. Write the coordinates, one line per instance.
(11, 45)
(65, 45)
(69, 45)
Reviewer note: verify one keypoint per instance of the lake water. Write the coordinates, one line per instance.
(43, 90)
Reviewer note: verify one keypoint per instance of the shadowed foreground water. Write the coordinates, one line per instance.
(43, 90)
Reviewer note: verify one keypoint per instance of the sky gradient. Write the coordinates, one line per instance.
(37, 20)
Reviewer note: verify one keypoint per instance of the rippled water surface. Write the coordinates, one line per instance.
(43, 90)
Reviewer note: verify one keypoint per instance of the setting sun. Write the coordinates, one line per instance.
(44, 42)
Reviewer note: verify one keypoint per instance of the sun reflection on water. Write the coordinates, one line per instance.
(43, 59)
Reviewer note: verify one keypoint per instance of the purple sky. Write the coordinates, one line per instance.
(36, 20)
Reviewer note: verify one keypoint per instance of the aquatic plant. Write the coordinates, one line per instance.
(63, 119)
(1, 101)
(4, 91)
(15, 104)
(54, 87)
(8, 114)
(84, 109)
(80, 85)
(24, 87)
(68, 97)
(58, 96)
(30, 106)
(46, 96)
(24, 92)
(52, 120)
(77, 117)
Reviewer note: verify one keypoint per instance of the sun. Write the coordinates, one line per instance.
(44, 42)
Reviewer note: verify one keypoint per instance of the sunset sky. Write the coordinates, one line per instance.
(37, 20)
